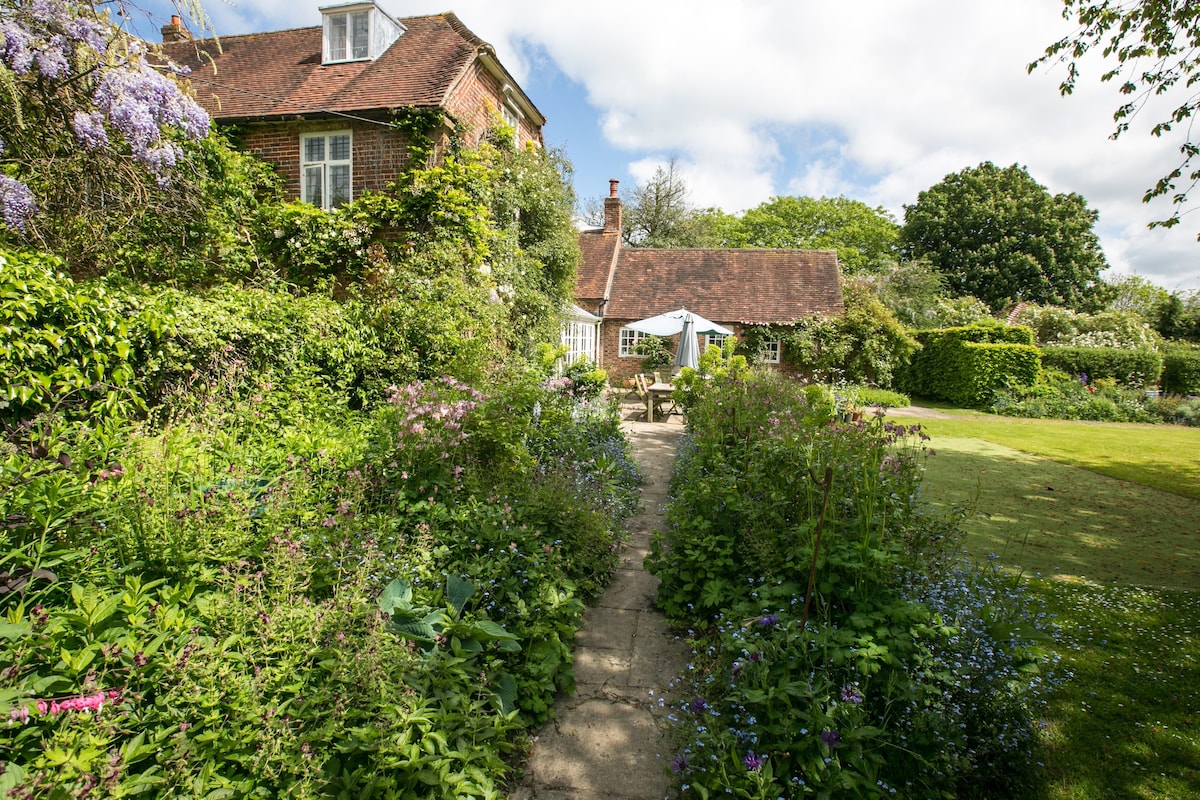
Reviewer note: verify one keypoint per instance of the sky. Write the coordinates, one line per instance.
(873, 100)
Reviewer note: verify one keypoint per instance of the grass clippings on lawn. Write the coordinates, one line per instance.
(1044, 517)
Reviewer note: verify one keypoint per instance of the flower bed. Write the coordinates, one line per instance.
(843, 648)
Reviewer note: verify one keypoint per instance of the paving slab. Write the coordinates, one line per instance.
(609, 740)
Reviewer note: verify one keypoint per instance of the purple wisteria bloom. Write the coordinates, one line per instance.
(17, 203)
(89, 129)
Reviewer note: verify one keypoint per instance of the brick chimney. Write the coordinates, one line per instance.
(612, 209)
(175, 32)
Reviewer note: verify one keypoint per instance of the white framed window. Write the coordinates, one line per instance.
(356, 32)
(629, 340)
(326, 169)
(348, 36)
(580, 339)
(769, 351)
(714, 339)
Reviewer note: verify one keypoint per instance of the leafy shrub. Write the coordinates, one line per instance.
(63, 345)
(1134, 368)
(1061, 327)
(868, 396)
(308, 244)
(1181, 370)
(965, 365)
(655, 353)
(865, 344)
(1057, 395)
(844, 648)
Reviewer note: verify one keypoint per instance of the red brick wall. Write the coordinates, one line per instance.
(379, 153)
(475, 105)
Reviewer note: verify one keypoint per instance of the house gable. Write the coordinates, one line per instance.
(274, 87)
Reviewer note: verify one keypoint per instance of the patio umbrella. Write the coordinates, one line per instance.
(671, 323)
(688, 354)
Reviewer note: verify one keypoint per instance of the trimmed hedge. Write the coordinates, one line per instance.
(966, 365)
(1122, 364)
(1181, 370)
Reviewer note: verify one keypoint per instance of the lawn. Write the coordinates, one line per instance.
(1104, 519)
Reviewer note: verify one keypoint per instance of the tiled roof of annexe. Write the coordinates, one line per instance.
(279, 74)
(598, 249)
(749, 286)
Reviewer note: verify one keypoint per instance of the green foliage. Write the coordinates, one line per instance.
(1181, 370)
(915, 293)
(656, 353)
(242, 341)
(1065, 328)
(842, 649)
(63, 346)
(866, 239)
(1057, 395)
(715, 362)
(966, 365)
(1153, 47)
(1133, 368)
(866, 344)
(308, 245)
(213, 229)
(999, 235)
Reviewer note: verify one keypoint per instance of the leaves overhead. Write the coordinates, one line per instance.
(1152, 48)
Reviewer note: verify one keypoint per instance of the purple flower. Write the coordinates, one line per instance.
(16, 203)
(753, 762)
(831, 738)
(89, 129)
(15, 50)
(768, 620)
(698, 705)
(679, 764)
(851, 694)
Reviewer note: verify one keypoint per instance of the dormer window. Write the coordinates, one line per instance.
(357, 32)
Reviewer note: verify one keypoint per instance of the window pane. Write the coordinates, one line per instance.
(314, 149)
(339, 148)
(339, 185)
(360, 33)
(313, 184)
(337, 37)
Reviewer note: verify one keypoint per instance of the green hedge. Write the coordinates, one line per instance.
(966, 365)
(1135, 367)
(1181, 370)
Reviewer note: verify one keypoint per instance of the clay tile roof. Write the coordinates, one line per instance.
(754, 287)
(279, 74)
(599, 250)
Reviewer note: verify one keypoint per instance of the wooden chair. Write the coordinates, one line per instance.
(640, 386)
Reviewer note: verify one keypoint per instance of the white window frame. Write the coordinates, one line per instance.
(344, 40)
(323, 165)
(580, 339)
(715, 339)
(629, 339)
(770, 351)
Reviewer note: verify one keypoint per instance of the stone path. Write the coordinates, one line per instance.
(608, 739)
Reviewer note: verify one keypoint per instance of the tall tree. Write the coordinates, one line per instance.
(659, 213)
(999, 235)
(1153, 47)
(866, 239)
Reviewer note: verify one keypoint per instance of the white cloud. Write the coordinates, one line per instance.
(876, 100)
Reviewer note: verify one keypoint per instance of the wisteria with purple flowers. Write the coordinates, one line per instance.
(67, 61)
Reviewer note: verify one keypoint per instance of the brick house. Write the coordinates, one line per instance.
(736, 288)
(328, 105)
